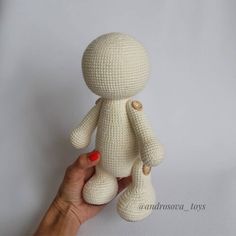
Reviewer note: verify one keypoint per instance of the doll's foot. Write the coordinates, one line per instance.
(137, 200)
(101, 188)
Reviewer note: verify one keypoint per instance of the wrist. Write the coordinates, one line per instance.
(60, 219)
(67, 209)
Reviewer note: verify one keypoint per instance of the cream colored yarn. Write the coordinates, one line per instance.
(115, 67)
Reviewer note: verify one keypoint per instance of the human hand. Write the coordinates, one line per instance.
(69, 210)
(76, 176)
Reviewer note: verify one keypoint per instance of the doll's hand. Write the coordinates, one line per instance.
(152, 153)
(79, 138)
(68, 210)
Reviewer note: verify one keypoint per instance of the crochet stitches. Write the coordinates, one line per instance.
(115, 67)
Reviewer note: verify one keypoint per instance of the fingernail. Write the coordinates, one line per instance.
(94, 155)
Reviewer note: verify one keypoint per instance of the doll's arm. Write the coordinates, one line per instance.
(80, 137)
(150, 149)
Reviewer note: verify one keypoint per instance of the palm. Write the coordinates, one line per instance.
(70, 191)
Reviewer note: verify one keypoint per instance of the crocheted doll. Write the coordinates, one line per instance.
(115, 67)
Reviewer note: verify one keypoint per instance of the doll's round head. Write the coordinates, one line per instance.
(115, 66)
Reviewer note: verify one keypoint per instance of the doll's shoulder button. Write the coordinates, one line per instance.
(137, 105)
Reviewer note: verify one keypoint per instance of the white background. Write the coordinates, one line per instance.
(190, 100)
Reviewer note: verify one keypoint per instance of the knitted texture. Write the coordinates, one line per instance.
(151, 150)
(115, 138)
(115, 67)
(80, 137)
(139, 193)
(101, 188)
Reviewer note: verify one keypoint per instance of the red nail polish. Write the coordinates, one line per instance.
(94, 155)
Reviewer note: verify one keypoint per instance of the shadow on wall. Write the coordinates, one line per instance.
(56, 103)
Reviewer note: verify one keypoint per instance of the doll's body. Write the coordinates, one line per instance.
(121, 145)
(115, 67)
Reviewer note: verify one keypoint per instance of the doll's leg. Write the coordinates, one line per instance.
(136, 202)
(101, 188)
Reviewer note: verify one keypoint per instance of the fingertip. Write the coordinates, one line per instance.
(88, 160)
(94, 156)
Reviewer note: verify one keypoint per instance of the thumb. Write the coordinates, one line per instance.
(86, 161)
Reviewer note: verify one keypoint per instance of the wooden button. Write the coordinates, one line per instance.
(137, 105)
(146, 169)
